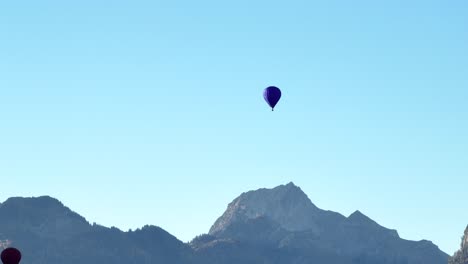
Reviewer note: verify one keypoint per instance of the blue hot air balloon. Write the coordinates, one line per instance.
(272, 94)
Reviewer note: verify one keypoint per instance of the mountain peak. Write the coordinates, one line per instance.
(291, 185)
(358, 219)
(42, 214)
(286, 205)
(356, 213)
(43, 200)
(357, 216)
(40, 205)
(287, 191)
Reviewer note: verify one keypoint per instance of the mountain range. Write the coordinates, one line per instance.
(267, 226)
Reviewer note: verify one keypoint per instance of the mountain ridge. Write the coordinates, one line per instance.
(270, 226)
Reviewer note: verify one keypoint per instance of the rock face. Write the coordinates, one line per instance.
(284, 220)
(464, 244)
(461, 256)
(286, 205)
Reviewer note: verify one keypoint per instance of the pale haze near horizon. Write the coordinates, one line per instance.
(151, 112)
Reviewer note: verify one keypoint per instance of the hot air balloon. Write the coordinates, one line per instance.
(272, 94)
(11, 256)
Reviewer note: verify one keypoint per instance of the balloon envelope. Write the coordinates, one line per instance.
(272, 95)
(11, 256)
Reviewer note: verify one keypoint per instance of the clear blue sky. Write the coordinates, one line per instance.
(151, 112)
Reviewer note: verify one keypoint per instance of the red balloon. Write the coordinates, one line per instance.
(11, 256)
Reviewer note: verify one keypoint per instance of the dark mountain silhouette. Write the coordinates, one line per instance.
(461, 256)
(48, 232)
(268, 226)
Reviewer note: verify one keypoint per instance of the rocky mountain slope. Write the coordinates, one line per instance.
(461, 256)
(283, 219)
